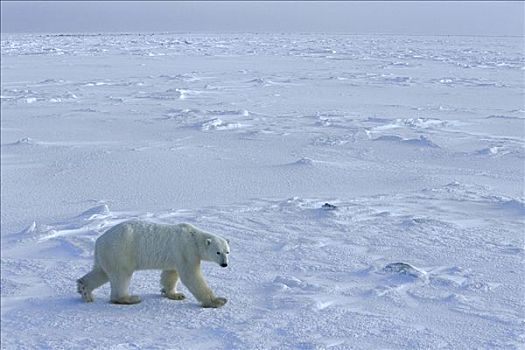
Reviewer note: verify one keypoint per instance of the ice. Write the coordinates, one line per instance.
(371, 187)
(219, 124)
(421, 142)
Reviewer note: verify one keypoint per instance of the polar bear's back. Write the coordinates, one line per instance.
(141, 245)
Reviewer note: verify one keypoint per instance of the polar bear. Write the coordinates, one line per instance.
(177, 250)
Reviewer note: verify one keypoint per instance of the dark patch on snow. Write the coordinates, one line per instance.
(405, 269)
(305, 161)
(328, 206)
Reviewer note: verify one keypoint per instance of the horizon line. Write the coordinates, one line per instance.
(155, 32)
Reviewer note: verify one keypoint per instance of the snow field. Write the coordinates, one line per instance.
(418, 142)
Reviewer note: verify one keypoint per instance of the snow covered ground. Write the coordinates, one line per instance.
(418, 142)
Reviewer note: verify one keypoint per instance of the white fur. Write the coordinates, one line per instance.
(177, 250)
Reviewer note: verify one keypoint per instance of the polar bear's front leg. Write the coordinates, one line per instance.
(195, 282)
(168, 281)
(120, 289)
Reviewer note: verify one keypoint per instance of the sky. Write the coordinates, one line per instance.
(355, 17)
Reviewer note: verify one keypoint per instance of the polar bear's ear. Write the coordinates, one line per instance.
(208, 241)
(227, 241)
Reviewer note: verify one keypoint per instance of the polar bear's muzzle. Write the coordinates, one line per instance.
(224, 262)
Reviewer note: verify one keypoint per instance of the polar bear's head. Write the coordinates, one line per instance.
(217, 250)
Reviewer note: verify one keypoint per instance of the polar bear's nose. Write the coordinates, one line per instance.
(224, 265)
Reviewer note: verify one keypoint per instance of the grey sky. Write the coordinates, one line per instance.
(424, 17)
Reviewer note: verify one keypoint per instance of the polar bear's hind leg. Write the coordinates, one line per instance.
(168, 282)
(120, 290)
(82, 290)
(90, 282)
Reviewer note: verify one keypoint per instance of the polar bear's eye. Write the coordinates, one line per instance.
(218, 253)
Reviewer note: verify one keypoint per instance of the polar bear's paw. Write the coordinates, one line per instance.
(127, 300)
(84, 293)
(215, 303)
(172, 295)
